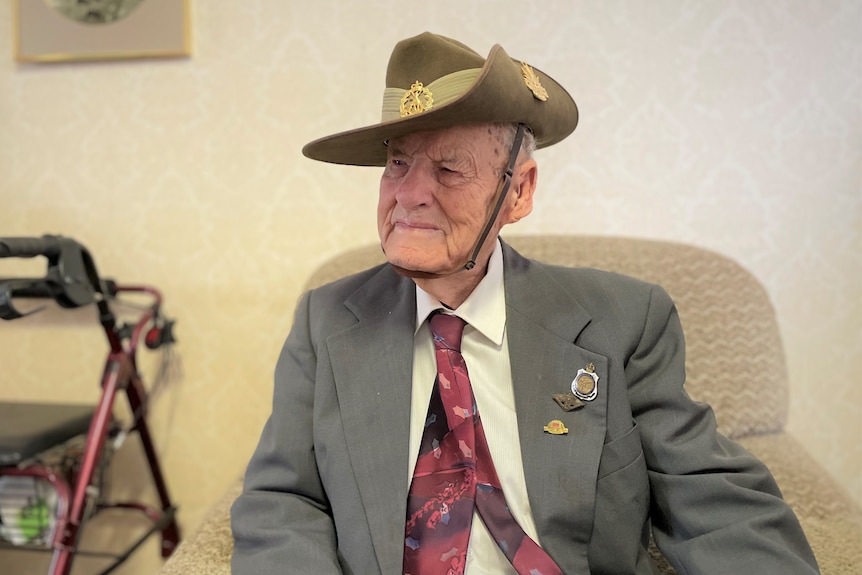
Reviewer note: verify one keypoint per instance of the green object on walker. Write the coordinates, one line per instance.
(33, 519)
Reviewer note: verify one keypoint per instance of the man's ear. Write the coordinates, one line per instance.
(523, 188)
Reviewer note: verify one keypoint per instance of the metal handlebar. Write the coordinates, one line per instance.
(71, 279)
(47, 245)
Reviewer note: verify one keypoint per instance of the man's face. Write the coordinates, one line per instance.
(436, 194)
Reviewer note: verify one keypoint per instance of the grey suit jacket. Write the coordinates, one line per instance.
(326, 489)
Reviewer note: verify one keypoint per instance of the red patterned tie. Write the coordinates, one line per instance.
(454, 473)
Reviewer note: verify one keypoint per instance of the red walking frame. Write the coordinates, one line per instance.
(32, 434)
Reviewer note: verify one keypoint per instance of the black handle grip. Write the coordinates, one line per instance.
(30, 247)
(29, 287)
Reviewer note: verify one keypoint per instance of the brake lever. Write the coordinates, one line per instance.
(8, 310)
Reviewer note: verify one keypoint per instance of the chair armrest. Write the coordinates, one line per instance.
(208, 550)
(831, 519)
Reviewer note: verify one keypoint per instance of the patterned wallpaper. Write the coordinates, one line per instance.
(731, 125)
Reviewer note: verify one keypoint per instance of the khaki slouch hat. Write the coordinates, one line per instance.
(434, 82)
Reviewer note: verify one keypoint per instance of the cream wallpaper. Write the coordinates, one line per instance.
(732, 125)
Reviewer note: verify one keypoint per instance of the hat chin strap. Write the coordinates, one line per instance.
(502, 191)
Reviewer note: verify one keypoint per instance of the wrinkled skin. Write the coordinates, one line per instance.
(436, 193)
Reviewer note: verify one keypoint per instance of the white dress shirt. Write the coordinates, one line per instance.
(486, 352)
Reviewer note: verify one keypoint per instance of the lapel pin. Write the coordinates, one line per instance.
(556, 427)
(568, 401)
(584, 386)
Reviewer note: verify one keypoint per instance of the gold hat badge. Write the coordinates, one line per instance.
(533, 83)
(416, 100)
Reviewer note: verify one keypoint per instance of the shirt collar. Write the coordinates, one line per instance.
(484, 309)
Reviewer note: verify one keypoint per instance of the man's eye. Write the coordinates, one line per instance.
(396, 167)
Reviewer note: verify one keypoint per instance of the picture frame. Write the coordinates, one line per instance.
(59, 31)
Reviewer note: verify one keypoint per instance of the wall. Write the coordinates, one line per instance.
(725, 124)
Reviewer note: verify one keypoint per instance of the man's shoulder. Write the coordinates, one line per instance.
(604, 295)
(368, 295)
(592, 282)
(336, 305)
(582, 278)
(346, 285)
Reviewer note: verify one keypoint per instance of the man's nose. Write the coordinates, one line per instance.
(416, 188)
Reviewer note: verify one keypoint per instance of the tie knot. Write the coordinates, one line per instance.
(447, 330)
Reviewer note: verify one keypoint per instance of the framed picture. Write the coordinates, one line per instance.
(70, 30)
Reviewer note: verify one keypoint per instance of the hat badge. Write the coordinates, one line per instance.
(533, 83)
(416, 100)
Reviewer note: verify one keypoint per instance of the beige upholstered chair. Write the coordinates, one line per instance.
(734, 362)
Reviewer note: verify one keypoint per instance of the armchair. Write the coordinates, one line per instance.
(726, 315)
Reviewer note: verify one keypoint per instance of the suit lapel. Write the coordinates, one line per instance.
(372, 364)
(543, 322)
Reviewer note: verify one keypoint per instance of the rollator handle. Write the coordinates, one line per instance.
(71, 280)
(47, 245)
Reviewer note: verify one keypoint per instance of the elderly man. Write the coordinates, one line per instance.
(462, 409)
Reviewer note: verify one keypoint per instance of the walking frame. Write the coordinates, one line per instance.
(68, 447)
